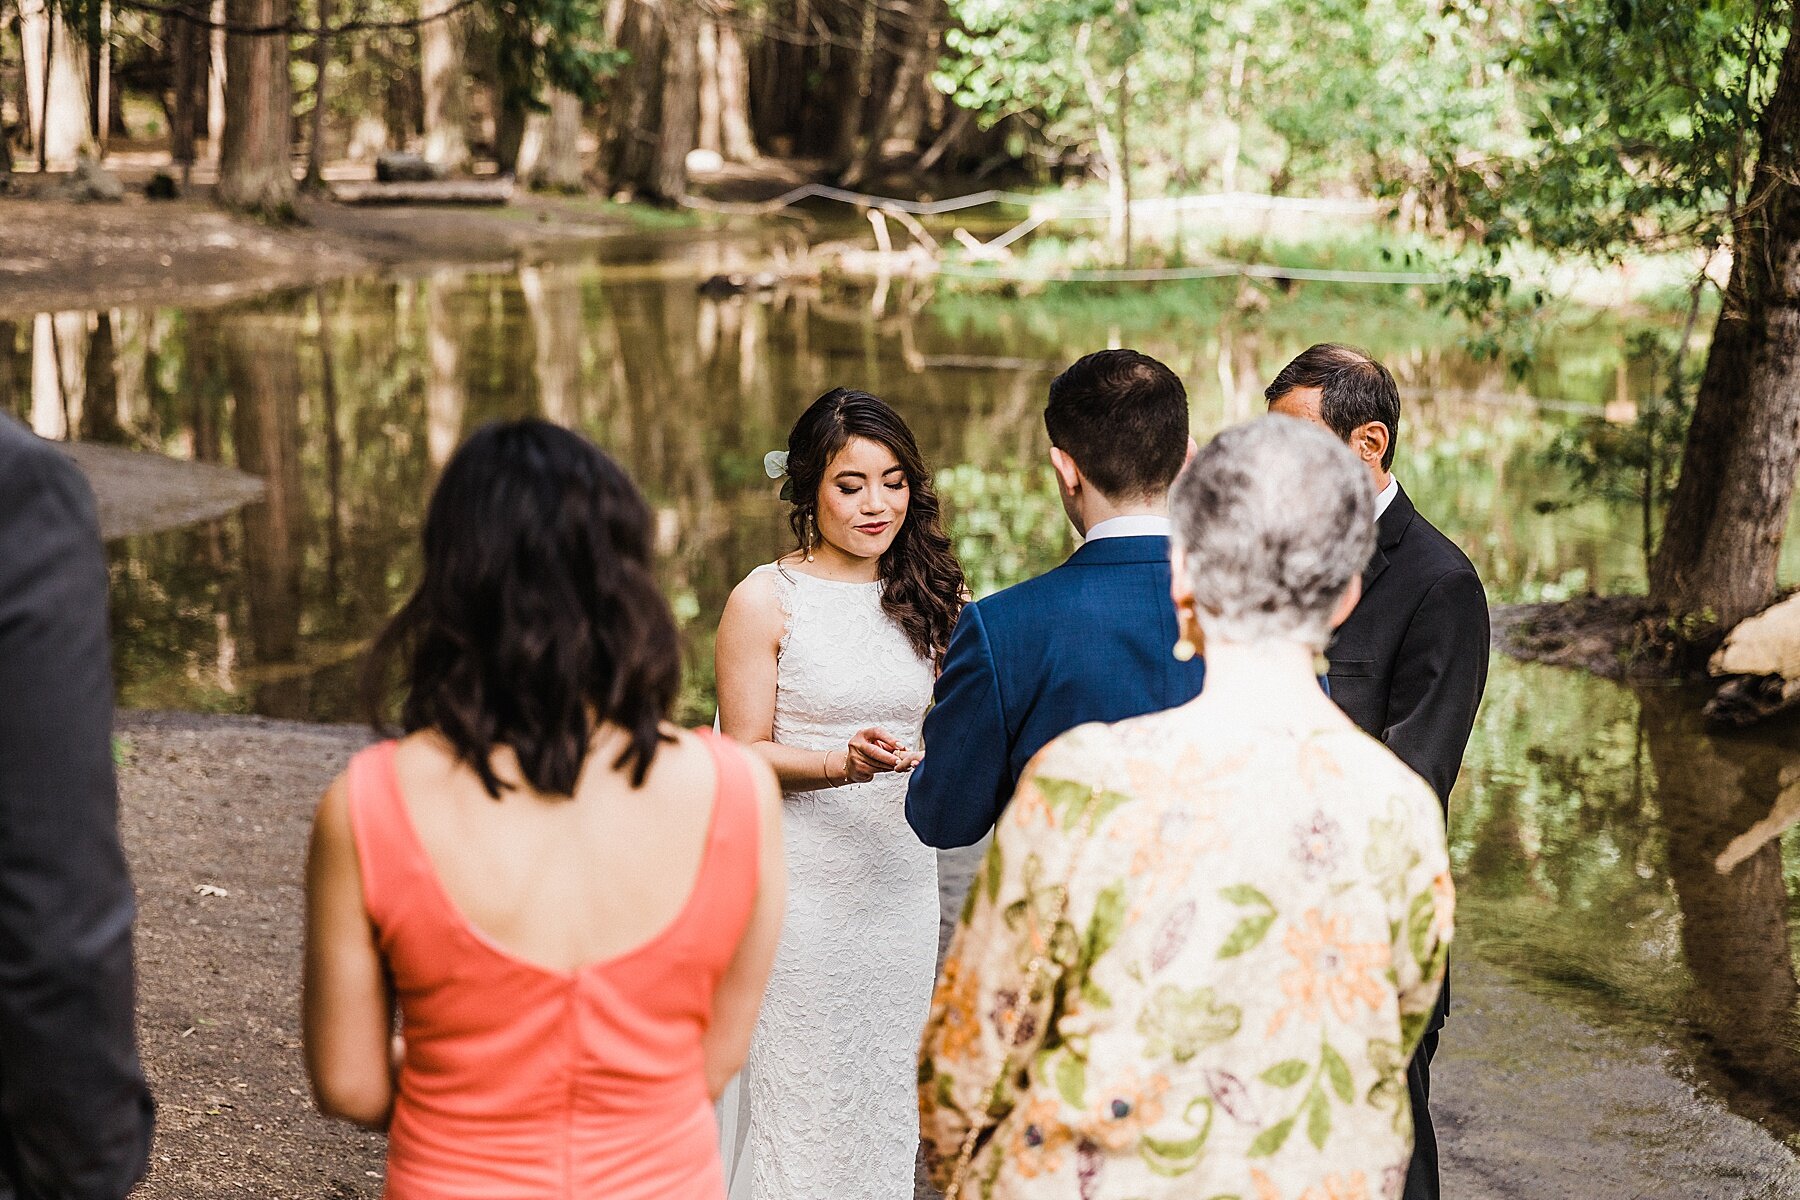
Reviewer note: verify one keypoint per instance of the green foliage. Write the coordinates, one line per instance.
(540, 44)
(1641, 118)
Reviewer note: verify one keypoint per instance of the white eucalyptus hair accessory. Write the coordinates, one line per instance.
(775, 467)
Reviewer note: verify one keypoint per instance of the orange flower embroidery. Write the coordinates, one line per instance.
(1329, 967)
(957, 996)
(1353, 1186)
(1443, 895)
(1124, 1109)
(1265, 1187)
(1037, 1138)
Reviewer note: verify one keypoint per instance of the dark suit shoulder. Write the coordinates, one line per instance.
(29, 461)
(1429, 555)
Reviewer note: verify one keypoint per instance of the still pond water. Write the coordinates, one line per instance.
(1610, 850)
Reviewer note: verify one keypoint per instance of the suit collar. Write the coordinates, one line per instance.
(1392, 525)
(1388, 532)
(1114, 551)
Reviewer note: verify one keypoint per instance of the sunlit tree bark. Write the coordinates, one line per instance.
(1722, 538)
(256, 173)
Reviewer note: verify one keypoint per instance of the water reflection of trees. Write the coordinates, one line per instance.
(1735, 930)
(1588, 832)
(689, 391)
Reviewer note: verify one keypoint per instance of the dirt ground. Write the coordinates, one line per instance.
(1533, 1103)
(56, 255)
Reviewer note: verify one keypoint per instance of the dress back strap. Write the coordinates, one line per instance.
(378, 825)
(733, 859)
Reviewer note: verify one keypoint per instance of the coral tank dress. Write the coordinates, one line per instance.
(524, 1083)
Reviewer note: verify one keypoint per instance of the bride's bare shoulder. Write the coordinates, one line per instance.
(754, 609)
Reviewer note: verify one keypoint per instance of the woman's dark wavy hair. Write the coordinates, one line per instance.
(538, 618)
(922, 579)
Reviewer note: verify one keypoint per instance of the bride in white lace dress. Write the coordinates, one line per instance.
(825, 661)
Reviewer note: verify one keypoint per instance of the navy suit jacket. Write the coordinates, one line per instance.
(1088, 641)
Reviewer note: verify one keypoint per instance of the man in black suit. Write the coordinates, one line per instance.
(1410, 664)
(75, 1113)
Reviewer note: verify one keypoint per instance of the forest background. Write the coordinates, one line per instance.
(1497, 135)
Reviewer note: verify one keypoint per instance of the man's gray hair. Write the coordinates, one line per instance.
(1274, 517)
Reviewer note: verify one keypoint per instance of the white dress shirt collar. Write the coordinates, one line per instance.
(1382, 499)
(1135, 525)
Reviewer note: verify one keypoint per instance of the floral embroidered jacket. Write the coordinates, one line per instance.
(1254, 938)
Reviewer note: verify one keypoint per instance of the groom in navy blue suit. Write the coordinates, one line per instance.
(1090, 640)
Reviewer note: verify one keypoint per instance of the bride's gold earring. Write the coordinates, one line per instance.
(812, 535)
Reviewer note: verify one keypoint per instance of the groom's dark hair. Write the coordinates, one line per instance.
(1123, 417)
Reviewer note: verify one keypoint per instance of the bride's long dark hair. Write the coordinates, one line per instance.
(922, 579)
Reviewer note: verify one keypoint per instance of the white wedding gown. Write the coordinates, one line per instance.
(826, 1107)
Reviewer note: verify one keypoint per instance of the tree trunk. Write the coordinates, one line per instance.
(509, 131)
(680, 124)
(901, 95)
(256, 173)
(736, 142)
(215, 83)
(558, 165)
(102, 99)
(708, 137)
(315, 143)
(56, 87)
(862, 82)
(187, 54)
(1722, 540)
(446, 93)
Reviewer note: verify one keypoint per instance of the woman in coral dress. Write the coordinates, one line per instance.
(571, 905)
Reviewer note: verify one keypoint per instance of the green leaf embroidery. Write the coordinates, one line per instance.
(1270, 1140)
(1070, 800)
(1071, 1080)
(1179, 1023)
(1338, 1071)
(1243, 894)
(994, 866)
(1419, 917)
(1176, 1158)
(1318, 1119)
(1247, 936)
(1108, 920)
(1285, 1074)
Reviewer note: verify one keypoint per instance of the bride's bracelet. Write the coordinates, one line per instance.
(826, 761)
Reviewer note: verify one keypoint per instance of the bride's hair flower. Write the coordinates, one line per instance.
(775, 466)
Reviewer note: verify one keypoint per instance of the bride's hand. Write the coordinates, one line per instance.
(871, 751)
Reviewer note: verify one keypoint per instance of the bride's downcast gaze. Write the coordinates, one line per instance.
(825, 663)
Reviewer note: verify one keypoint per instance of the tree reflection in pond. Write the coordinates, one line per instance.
(1587, 833)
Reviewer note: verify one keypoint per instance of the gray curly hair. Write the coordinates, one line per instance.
(1274, 518)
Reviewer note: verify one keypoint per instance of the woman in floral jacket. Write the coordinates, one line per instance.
(1239, 909)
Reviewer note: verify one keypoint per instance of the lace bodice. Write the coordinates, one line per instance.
(844, 665)
(827, 1108)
